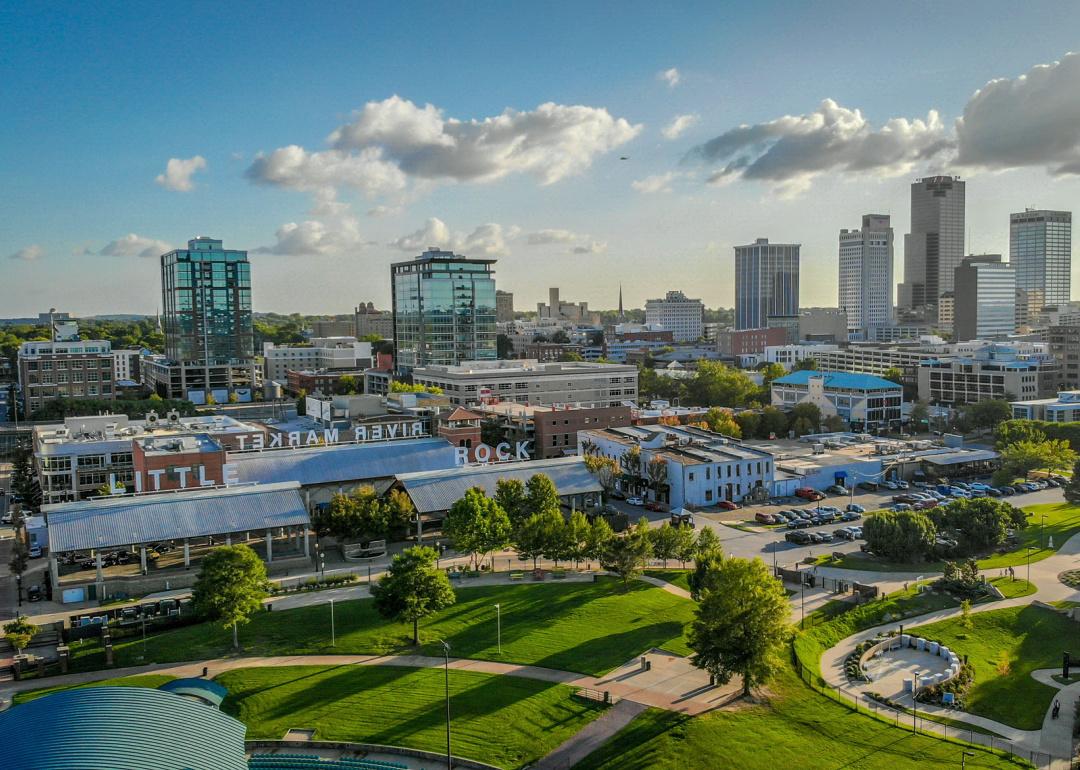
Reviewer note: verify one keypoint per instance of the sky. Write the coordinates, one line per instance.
(583, 145)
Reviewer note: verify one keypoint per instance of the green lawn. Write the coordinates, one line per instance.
(501, 720)
(795, 728)
(1032, 638)
(1013, 588)
(139, 680)
(590, 628)
(677, 577)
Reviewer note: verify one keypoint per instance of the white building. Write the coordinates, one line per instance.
(861, 400)
(866, 274)
(1040, 248)
(1064, 408)
(702, 467)
(678, 314)
(126, 365)
(527, 381)
(789, 355)
(329, 353)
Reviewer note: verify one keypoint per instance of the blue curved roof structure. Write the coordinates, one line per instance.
(205, 690)
(119, 728)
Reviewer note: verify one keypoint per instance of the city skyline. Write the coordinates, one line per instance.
(345, 160)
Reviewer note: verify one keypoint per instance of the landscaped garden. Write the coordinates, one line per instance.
(589, 628)
(501, 720)
(1005, 646)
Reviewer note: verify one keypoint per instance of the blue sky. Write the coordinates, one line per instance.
(97, 99)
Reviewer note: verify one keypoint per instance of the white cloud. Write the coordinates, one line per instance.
(543, 237)
(670, 76)
(132, 245)
(678, 125)
(487, 240)
(1031, 120)
(593, 247)
(656, 183)
(31, 253)
(333, 230)
(790, 151)
(178, 173)
(394, 141)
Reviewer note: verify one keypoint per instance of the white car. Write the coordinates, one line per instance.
(903, 484)
(634, 501)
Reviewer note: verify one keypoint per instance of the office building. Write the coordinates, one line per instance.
(934, 247)
(321, 353)
(946, 312)
(984, 298)
(1064, 407)
(994, 372)
(126, 365)
(504, 306)
(733, 344)
(863, 401)
(551, 430)
(866, 274)
(332, 327)
(766, 282)
(678, 314)
(371, 321)
(1064, 341)
(823, 324)
(76, 369)
(531, 382)
(1040, 249)
(444, 310)
(558, 310)
(209, 340)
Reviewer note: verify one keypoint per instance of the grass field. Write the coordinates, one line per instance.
(140, 680)
(795, 728)
(1013, 588)
(501, 720)
(1031, 637)
(589, 628)
(1062, 522)
(677, 577)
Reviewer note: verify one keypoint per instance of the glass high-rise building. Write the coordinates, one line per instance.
(209, 340)
(766, 282)
(985, 298)
(934, 247)
(1040, 249)
(444, 310)
(866, 274)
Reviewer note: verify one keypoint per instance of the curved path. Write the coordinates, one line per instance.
(1055, 737)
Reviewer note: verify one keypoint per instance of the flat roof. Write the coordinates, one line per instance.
(961, 456)
(106, 522)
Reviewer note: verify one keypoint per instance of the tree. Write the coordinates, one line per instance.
(903, 536)
(1020, 458)
(503, 346)
(834, 423)
(397, 386)
(541, 495)
(656, 470)
(707, 543)
(722, 421)
(807, 412)
(577, 536)
(685, 545)
(706, 568)
(491, 433)
(358, 515)
(894, 374)
(806, 364)
(413, 588)
(750, 423)
(560, 337)
(557, 544)
(979, 524)
(630, 462)
(627, 554)
(569, 356)
(19, 632)
(773, 422)
(920, 416)
(770, 372)
(605, 469)
(1072, 488)
(802, 426)
(210, 400)
(530, 538)
(400, 512)
(301, 403)
(741, 624)
(987, 414)
(715, 384)
(347, 385)
(23, 482)
(476, 524)
(231, 586)
(1013, 431)
(664, 540)
(597, 538)
(511, 496)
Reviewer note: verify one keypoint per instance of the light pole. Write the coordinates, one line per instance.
(498, 621)
(914, 701)
(333, 635)
(144, 635)
(446, 673)
(1030, 548)
(802, 591)
(1042, 532)
(963, 758)
(775, 543)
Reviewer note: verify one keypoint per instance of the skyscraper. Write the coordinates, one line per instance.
(1040, 249)
(866, 274)
(934, 247)
(209, 341)
(766, 282)
(678, 314)
(444, 310)
(985, 298)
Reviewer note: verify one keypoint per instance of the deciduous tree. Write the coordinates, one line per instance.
(413, 588)
(230, 587)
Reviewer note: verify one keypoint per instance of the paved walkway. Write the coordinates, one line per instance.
(591, 737)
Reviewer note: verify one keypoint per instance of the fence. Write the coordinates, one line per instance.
(920, 724)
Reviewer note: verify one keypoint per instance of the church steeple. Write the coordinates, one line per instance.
(621, 317)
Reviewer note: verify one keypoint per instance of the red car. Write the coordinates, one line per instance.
(765, 518)
(653, 505)
(727, 505)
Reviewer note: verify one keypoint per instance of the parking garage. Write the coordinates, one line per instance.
(134, 544)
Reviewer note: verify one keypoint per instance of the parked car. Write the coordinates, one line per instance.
(838, 489)
(900, 507)
(855, 508)
(653, 505)
(869, 486)
(798, 538)
(727, 505)
(816, 537)
(806, 493)
(6, 518)
(850, 516)
(993, 492)
(890, 485)
(1007, 491)
(634, 501)
(826, 537)
(34, 552)
(902, 484)
(857, 531)
(34, 594)
(800, 524)
(844, 533)
(765, 518)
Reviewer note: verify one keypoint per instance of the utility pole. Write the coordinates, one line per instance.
(446, 674)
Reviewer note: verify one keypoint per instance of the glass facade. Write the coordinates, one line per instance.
(935, 246)
(444, 310)
(206, 298)
(766, 282)
(1040, 248)
(866, 274)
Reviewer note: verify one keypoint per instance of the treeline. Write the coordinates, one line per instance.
(136, 409)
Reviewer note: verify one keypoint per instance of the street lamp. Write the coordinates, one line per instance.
(802, 591)
(446, 673)
(1030, 548)
(963, 758)
(498, 621)
(1042, 530)
(914, 701)
(333, 635)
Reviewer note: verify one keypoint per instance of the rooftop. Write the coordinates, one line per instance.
(838, 380)
(523, 366)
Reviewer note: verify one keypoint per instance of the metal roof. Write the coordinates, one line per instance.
(962, 456)
(845, 380)
(338, 464)
(109, 522)
(438, 490)
(196, 687)
(120, 728)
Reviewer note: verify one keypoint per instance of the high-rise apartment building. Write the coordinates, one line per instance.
(504, 306)
(866, 274)
(1040, 248)
(677, 313)
(934, 247)
(766, 282)
(984, 305)
(65, 369)
(444, 310)
(209, 340)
